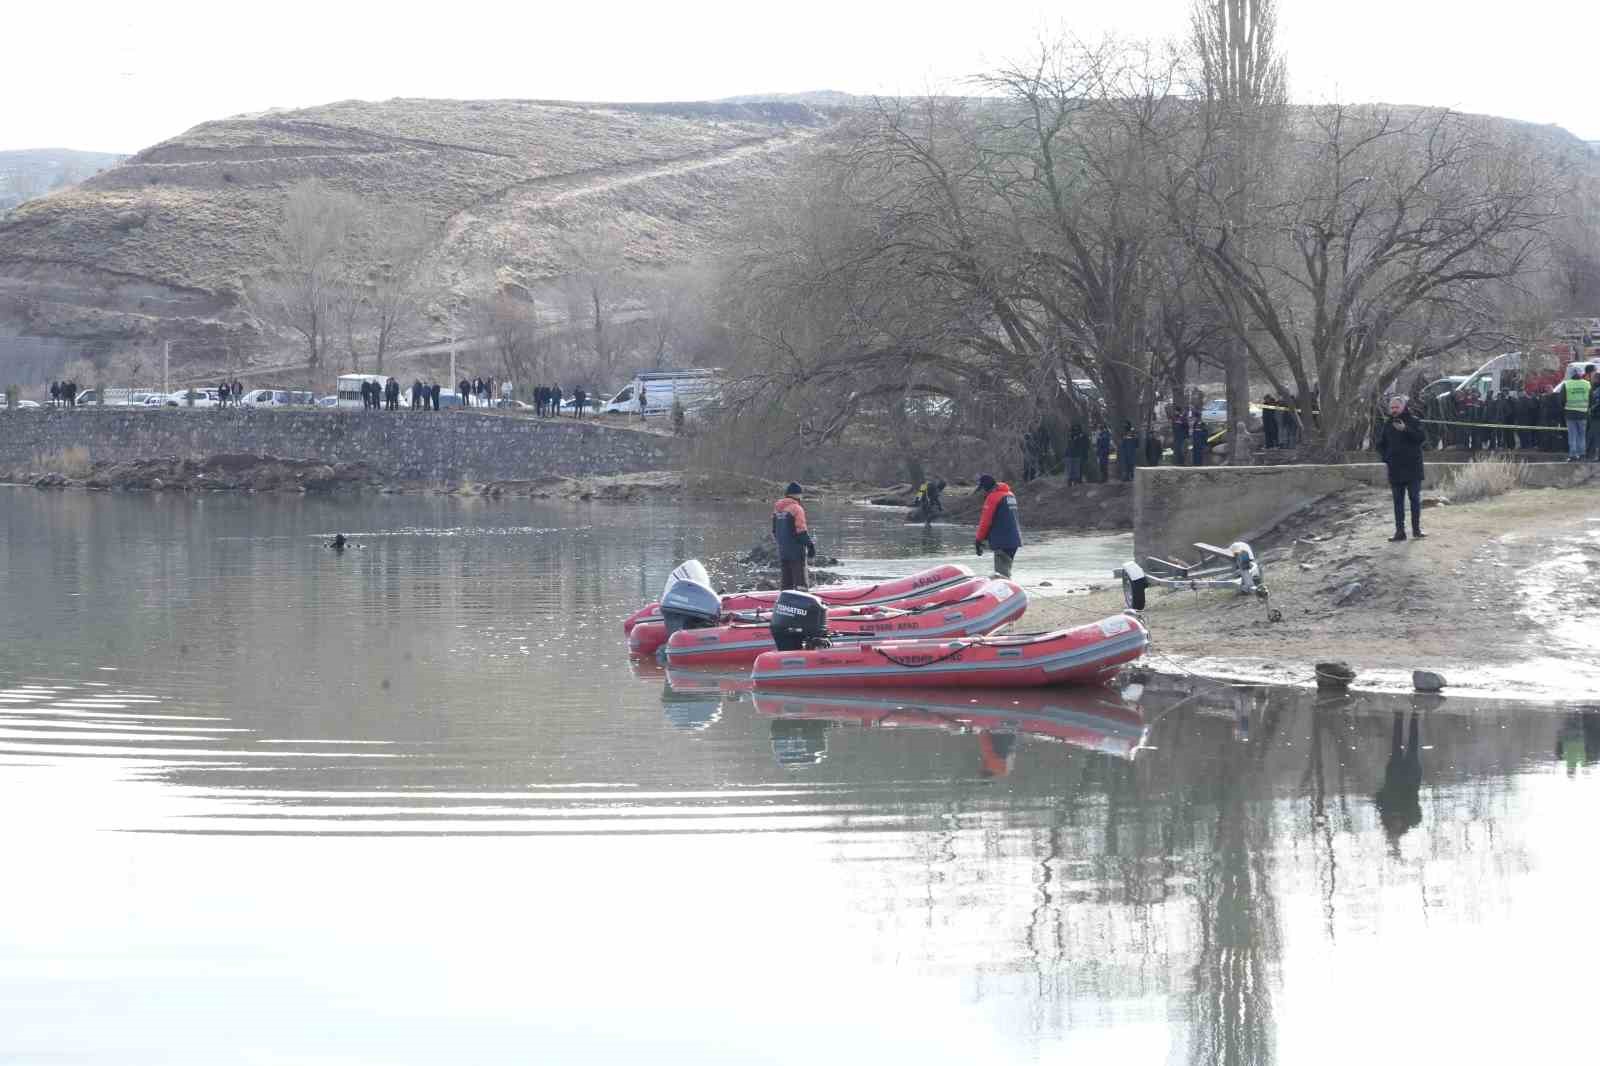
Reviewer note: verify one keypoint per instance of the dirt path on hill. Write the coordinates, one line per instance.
(1503, 596)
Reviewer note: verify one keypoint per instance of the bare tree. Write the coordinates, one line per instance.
(399, 283)
(594, 285)
(307, 272)
(511, 327)
(1376, 253)
(1243, 90)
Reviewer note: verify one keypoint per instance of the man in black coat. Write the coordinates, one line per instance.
(1400, 446)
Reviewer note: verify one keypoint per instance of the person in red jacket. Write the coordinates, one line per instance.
(795, 545)
(999, 525)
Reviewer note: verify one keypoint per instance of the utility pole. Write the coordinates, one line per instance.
(166, 359)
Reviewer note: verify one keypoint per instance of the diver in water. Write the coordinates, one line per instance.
(338, 542)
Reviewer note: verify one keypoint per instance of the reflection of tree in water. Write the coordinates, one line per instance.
(1229, 1003)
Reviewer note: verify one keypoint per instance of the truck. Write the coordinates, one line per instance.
(693, 387)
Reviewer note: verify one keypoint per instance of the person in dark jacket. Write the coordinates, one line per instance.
(999, 525)
(794, 541)
(1077, 454)
(1127, 452)
(1102, 452)
(1152, 445)
(1269, 421)
(1400, 446)
(1180, 437)
(1199, 439)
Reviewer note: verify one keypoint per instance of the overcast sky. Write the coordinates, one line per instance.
(121, 76)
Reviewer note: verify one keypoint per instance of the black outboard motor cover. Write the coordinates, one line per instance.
(798, 619)
(688, 601)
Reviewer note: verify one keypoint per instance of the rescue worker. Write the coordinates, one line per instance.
(1102, 452)
(794, 541)
(929, 500)
(1127, 451)
(1575, 394)
(1269, 421)
(1400, 446)
(999, 525)
(1077, 454)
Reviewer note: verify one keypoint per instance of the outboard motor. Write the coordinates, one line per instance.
(799, 621)
(688, 601)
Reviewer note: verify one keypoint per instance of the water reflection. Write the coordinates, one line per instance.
(435, 741)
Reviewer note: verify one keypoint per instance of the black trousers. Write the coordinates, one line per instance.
(794, 574)
(1401, 490)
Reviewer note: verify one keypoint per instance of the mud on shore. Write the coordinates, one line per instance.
(1502, 598)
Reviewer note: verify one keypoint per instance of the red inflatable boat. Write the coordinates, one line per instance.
(855, 594)
(1092, 719)
(1087, 654)
(996, 602)
(647, 636)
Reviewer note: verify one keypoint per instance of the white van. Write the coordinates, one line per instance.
(265, 398)
(349, 388)
(662, 388)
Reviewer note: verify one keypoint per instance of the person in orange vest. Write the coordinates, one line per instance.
(999, 524)
(795, 545)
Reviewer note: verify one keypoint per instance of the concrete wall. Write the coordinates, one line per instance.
(425, 446)
(1175, 506)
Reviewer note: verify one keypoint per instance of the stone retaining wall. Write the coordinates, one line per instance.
(1175, 506)
(446, 446)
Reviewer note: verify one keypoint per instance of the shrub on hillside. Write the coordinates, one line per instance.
(1484, 478)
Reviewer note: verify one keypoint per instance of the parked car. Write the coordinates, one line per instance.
(265, 398)
(24, 403)
(200, 398)
(327, 401)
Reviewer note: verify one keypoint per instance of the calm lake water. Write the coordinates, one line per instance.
(412, 804)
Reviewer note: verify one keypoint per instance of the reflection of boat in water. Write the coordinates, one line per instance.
(690, 699)
(1092, 719)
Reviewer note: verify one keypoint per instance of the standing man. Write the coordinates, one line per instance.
(1127, 451)
(555, 399)
(794, 541)
(1180, 436)
(1575, 394)
(642, 400)
(1102, 452)
(1200, 439)
(1077, 454)
(999, 524)
(1400, 446)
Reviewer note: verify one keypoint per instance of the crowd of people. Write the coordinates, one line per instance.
(1513, 420)
(63, 393)
(230, 393)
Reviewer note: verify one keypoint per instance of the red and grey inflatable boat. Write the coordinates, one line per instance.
(1087, 654)
(996, 602)
(1093, 719)
(651, 633)
(853, 594)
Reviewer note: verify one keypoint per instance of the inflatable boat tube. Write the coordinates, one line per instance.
(1088, 654)
(854, 594)
(648, 636)
(996, 603)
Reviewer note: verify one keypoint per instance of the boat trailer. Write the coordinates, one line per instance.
(1234, 567)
